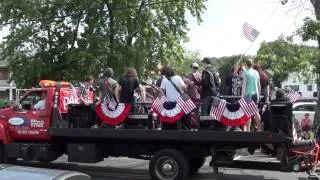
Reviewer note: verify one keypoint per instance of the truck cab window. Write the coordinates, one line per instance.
(34, 100)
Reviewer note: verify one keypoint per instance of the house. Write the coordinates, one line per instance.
(296, 83)
(7, 88)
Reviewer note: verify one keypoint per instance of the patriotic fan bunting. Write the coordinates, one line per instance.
(233, 114)
(113, 115)
(172, 112)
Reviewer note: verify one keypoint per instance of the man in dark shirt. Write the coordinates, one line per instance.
(210, 83)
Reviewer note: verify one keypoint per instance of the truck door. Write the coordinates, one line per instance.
(31, 120)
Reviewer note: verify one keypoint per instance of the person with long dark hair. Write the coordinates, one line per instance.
(167, 85)
(264, 82)
(127, 85)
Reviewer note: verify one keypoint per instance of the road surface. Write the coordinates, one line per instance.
(122, 168)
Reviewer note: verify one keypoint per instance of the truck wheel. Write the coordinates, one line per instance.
(169, 164)
(195, 165)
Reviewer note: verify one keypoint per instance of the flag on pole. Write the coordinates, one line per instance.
(294, 96)
(249, 32)
(186, 105)
(158, 103)
(217, 111)
(249, 107)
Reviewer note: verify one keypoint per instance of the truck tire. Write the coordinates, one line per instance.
(195, 165)
(169, 164)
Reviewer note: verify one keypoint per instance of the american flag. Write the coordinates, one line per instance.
(187, 106)
(217, 111)
(158, 103)
(249, 32)
(294, 96)
(112, 104)
(249, 107)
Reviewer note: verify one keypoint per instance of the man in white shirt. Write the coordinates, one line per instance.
(41, 105)
(167, 86)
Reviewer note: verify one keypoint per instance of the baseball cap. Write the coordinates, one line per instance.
(206, 60)
(195, 65)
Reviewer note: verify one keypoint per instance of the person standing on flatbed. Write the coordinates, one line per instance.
(251, 88)
(126, 87)
(107, 85)
(210, 84)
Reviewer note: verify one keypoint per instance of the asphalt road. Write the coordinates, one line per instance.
(125, 168)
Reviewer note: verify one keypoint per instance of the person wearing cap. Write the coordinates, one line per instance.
(210, 83)
(192, 81)
(107, 85)
(193, 90)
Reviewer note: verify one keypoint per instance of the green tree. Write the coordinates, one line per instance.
(182, 65)
(284, 57)
(67, 40)
(223, 66)
(310, 30)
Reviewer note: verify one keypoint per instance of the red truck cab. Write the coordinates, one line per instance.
(24, 121)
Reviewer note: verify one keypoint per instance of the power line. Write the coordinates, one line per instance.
(81, 14)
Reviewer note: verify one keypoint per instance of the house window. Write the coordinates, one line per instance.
(309, 87)
(295, 87)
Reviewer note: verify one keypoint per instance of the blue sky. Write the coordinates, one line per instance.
(220, 33)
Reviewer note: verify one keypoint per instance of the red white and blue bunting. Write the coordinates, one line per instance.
(233, 114)
(113, 115)
(171, 112)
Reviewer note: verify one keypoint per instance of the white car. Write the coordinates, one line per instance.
(300, 109)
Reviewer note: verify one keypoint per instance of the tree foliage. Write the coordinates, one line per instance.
(284, 57)
(182, 65)
(66, 40)
(223, 66)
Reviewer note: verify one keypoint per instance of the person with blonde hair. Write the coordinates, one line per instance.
(251, 88)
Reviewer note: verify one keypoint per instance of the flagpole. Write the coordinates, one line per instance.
(242, 55)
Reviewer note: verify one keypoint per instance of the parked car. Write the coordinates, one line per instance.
(10, 172)
(307, 100)
(301, 109)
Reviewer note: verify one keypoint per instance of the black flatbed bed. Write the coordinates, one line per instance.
(181, 136)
